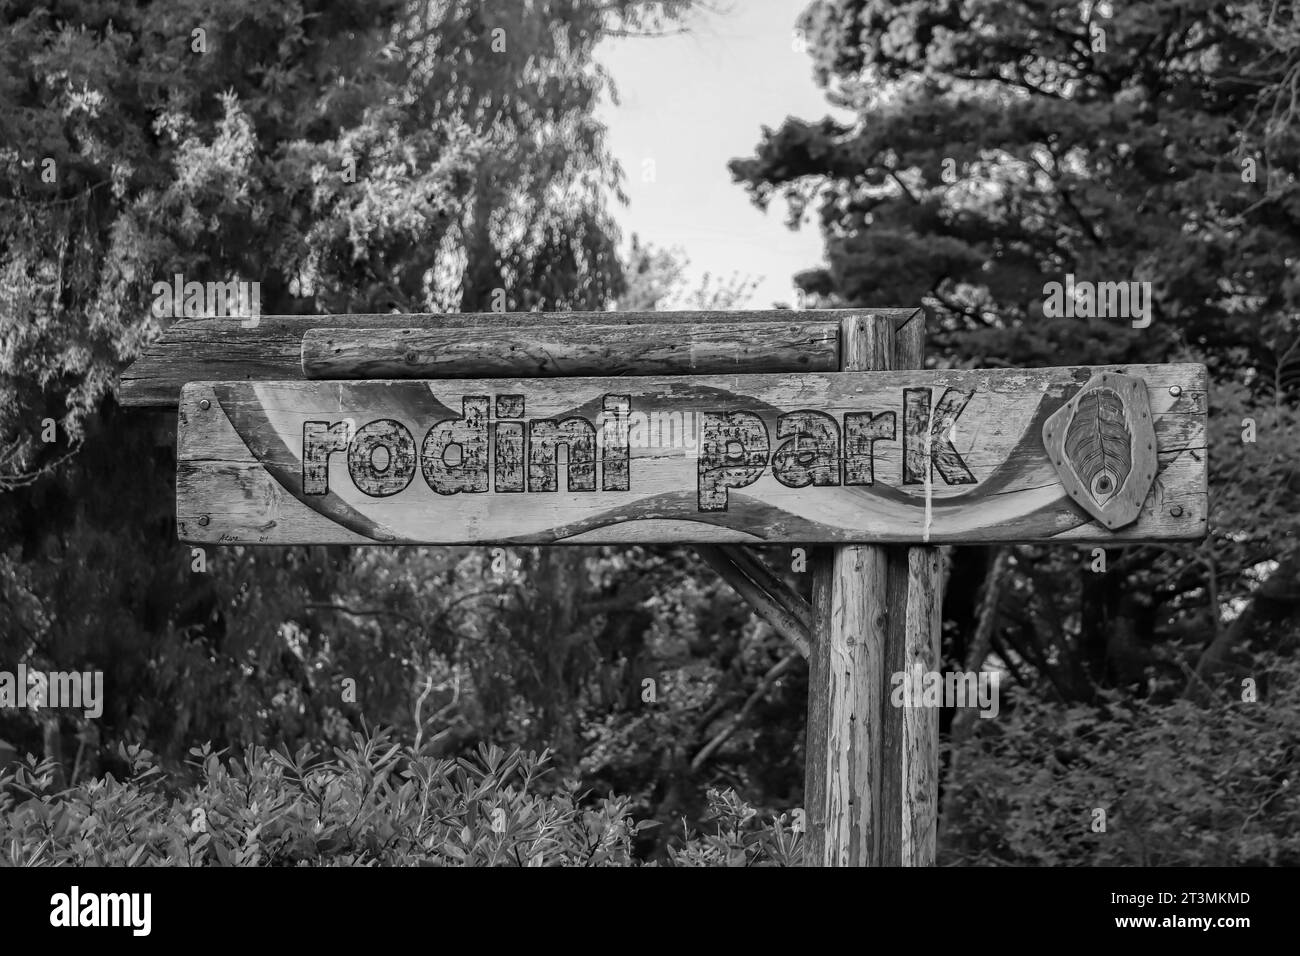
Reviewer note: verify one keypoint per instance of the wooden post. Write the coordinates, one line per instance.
(922, 629)
(872, 768)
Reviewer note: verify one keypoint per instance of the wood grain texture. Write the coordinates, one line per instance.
(854, 648)
(221, 349)
(241, 464)
(893, 801)
(816, 760)
(563, 350)
(920, 738)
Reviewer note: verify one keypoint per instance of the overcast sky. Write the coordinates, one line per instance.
(689, 104)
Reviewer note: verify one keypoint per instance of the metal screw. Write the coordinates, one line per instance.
(1175, 390)
(204, 519)
(1176, 511)
(205, 404)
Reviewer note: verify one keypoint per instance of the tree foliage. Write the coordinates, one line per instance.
(372, 803)
(997, 147)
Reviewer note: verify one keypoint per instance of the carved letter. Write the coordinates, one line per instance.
(811, 456)
(918, 423)
(861, 432)
(469, 435)
(544, 439)
(381, 458)
(616, 452)
(319, 441)
(733, 453)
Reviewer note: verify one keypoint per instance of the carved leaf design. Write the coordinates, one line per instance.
(1099, 444)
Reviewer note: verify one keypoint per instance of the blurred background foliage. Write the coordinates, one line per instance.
(994, 148)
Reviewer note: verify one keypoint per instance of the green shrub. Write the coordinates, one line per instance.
(1181, 783)
(374, 803)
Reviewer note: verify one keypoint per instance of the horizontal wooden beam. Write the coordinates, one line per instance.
(561, 350)
(270, 348)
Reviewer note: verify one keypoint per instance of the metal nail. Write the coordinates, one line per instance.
(204, 519)
(1175, 390)
(205, 404)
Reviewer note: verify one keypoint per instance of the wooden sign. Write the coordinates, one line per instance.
(1067, 454)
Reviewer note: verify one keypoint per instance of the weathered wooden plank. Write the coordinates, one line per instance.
(567, 350)
(704, 459)
(223, 349)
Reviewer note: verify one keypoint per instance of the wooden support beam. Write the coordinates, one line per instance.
(873, 606)
(557, 350)
(758, 570)
(793, 625)
(269, 348)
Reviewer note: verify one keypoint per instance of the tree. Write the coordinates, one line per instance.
(348, 156)
(656, 281)
(998, 147)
